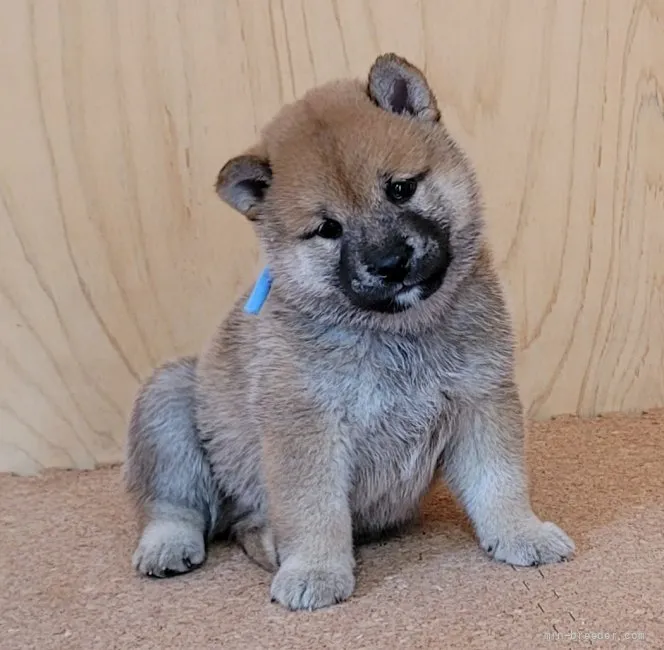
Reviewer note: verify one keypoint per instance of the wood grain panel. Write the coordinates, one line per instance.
(115, 254)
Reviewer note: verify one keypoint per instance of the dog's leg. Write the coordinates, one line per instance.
(168, 475)
(307, 479)
(484, 466)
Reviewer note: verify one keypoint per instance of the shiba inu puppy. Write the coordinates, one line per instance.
(381, 361)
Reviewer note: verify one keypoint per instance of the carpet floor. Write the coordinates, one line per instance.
(66, 540)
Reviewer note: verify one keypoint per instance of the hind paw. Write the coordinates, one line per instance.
(169, 548)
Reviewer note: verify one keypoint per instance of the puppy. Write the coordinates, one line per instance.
(381, 360)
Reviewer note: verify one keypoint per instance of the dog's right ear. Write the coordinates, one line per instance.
(243, 182)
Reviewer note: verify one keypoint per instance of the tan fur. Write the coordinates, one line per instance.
(325, 418)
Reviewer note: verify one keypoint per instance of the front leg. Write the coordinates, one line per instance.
(306, 472)
(484, 466)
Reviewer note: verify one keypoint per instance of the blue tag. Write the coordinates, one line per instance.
(259, 293)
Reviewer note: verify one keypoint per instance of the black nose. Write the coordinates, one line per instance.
(391, 265)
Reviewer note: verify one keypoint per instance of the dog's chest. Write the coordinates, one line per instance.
(388, 403)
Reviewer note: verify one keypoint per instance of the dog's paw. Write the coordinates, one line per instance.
(298, 585)
(168, 548)
(536, 543)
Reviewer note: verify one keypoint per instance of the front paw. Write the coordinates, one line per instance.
(305, 585)
(532, 544)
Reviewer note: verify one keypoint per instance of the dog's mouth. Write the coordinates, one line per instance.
(409, 295)
(401, 297)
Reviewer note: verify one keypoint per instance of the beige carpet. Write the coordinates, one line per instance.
(66, 539)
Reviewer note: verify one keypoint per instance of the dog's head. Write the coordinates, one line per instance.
(367, 210)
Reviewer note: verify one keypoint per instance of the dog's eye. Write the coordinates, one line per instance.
(401, 191)
(329, 229)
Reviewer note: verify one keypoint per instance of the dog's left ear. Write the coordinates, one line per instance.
(399, 87)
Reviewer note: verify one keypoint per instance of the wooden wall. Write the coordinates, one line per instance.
(115, 116)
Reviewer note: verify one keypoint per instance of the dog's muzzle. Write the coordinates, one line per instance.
(399, 270)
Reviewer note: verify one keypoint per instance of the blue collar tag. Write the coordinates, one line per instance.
(259, 293)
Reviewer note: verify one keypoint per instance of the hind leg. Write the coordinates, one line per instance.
(168, 474)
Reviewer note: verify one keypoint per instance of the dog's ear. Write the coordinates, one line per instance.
(243, 182)
(399, 87)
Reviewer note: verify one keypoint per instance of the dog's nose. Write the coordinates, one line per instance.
(392, 265)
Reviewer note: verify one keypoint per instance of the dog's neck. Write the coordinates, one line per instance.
(259, 293)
